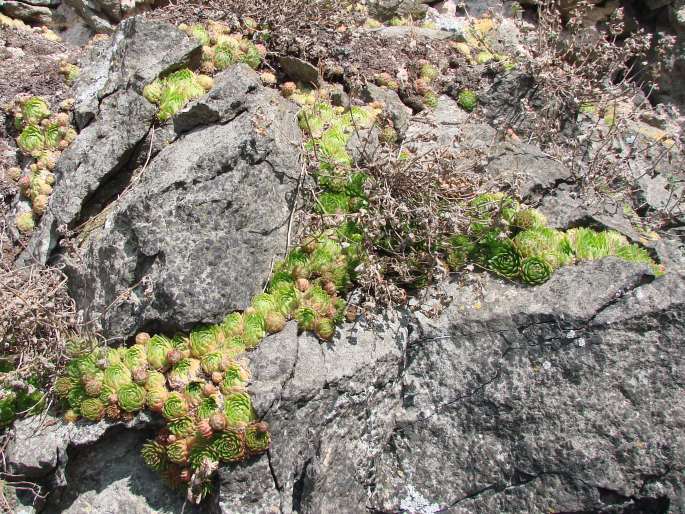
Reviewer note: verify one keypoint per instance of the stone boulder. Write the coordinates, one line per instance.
(178, 224)
(103, 15)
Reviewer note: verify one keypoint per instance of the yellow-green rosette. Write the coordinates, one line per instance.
(157, 349)
(238, 409)
(257, 437)
(131, 397)
(116, 376)
(92, 409)
(175, 406)
(154, 455)
(229, 446)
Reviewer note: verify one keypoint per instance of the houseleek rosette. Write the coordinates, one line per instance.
(274, 322)
(31, 139)
(212, 362)
(92, 409)
(254, 328)
(131, 397)
(257, 437)
(178, 452)
(529, 218)
(207, 407)
(34, 110)
(134, 357)
(155, 380)
(306, 318)
(154, 455)
(182, 427)
(156, 398)
(232, 325)
(546, 243)
(63, 385)
(157, 349)
(535, 270)
(193, 393)
(263, 303)
(505, 261)
(175, 406)
(325, 328)
(200, 452)
(238, 409)
(116, 376)
(229, 446)
(183, 373)
(202, 341)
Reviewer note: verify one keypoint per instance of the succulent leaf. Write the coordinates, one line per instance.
(257, 437)
(131, 397)
(31, 139)
(229, 446)
(535, 270)
(175, 406)
(182, 427)
(154, 455)
(92, 409)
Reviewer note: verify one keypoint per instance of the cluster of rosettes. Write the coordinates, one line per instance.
(174, 91)
(515, 242)
(197, 382)
(329, 130)
(43, 136)
(221, 48)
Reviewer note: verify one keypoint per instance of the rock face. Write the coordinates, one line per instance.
(103, 15)
(207, 197)
(567, 397)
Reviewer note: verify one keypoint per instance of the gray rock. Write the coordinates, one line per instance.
(45, 3)
(386, 9)
(418, 33)
(399, 113)
(38, 14)
(299, 70)
(446, 21)
(196, 236)
(532, 173)
(514, 399)
(90, 167)
(103, 15)
(138, 52)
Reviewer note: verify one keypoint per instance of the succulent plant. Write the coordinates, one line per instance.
(200, 33)
(199, 453)
(156, 398)
(274, 322)
(116, 376)
(135, 357)
(25, 222)
(535, 270)
(131, 397)
(257, 437)
(178, 452)
(546, 243)
(92, 409)
(229, 446)
(202, 341)
(207, 407)
(34, 109)
(155, 380)
(306, 318)
(183, 373)
(526, 219)
(154, 455)
(325, 328)
(175, 406)
(63, 385)
(31, 139)
(429, 72)
(182, 427)
(157, 349)
(467, 100)
(254, 328)
(232, 325)
(505, 260)
(238, 409)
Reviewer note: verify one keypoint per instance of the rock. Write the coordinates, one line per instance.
(677, 16)
(138, 52)
(514, 399)
(38, 14)
(103, 15)
(399, 113)
(196, 236)
(387, 9)
(532, 173)
(299, 70)
(413, 33)
(447, 22)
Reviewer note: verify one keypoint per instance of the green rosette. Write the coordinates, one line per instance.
(114, 356)
(171, 101)
(116, 376)
(505, 261)
(131, 397)
(251, 57)
(157, 349)
(134, 357)
(175, 406)
(254, 330)
(31, 139)
(232, 325)
(34, 110)
(106, 393)
(182, 427)
(154, 455)
(207, 407)
(212, 362)
(202, 341)
(76, 396)
(527, 219)
(535, 270)
(229, 446)
(238, 409)
(546, 243)
(177, 452)
(325, 328)
(235, 376)
(52, 136)
(155, 380)
(257, 437)
(199, 33)
(93, 384)
(92, 409)
(199, 453)
(318, 299)
(156, 398)
(306, 318)
(193, 393)
(263, 303)
(340, 306)
(183, 373)
(63, 385)
(280, 279)
(234, 346)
